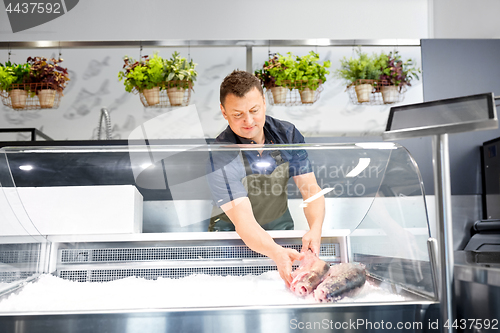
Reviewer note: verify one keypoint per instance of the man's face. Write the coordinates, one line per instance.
(246, 115)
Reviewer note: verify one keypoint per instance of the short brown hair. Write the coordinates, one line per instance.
(239, 83)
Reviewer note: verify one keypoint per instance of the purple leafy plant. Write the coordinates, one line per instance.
(48, 71)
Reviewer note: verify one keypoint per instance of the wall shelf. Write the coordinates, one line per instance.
(211, 43)
(248, 44)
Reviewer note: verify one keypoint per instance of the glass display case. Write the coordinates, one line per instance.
(119, 235)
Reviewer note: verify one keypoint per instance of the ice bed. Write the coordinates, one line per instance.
(114, 239)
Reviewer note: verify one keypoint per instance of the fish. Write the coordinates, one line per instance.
(308, 275)
(14, 117)
(85, 101)
(119, 101)
(345, 279)
(214, 73)
(95, 67)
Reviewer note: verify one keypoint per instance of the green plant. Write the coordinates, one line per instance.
(308, 69)
(398, 72)
(144, 74)
(287, 72)
(178, 68)
(266, 79)
(364, 67)
(11, 73)
(48, 71)
(7, 77)
(276, 70)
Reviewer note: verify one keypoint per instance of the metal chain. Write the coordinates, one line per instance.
(353, 49)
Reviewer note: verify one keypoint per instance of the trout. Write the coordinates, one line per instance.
(308, 275)
(342, 280)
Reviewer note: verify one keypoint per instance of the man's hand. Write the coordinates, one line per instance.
(256, 238)
(311, 241)
(284, 259)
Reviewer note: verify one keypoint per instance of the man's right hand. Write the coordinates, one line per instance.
(241, 214)
(284, 259)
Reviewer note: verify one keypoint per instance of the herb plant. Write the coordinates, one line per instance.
(178, 68)
(7, 77)
(363, 67)
(287, 72)
(48, 71)
(144, 74)
(398, 72)
(310, 70)
(11, 73)
(276, 70)
(266, 79)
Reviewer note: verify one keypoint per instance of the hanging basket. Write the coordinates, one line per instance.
(380, 92)
(290, 94)
(31, 96)
(170, 94)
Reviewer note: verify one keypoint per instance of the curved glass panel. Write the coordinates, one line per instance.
(155, 188)
(392, 238)
(145, 209)
(22, 249)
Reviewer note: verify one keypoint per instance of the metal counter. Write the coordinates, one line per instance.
(414, 317)
(477, 290)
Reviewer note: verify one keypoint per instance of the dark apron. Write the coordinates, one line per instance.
(267, 195)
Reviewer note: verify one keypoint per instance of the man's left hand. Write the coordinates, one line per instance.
(311, 240)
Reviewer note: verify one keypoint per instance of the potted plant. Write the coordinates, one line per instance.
(180, 75)
(7, 77)
(396, 73)
(311, 74)
(12, 78)
(48, 78)
(268, 81)
(144, 76)
(359, 72)
(278, 74)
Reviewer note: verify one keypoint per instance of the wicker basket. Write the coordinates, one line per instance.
(181, 95)
(381, 93)
(290, 94)
(31, 96)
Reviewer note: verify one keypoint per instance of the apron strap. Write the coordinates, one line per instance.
(276, 154)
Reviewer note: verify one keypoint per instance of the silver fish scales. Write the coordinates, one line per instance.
(342, 280)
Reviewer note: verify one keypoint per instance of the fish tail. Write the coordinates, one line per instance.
(105, 62)
(103, 89)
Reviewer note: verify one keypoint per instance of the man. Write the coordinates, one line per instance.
(251, 190)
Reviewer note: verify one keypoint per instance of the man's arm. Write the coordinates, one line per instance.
(241, 214)
(314, 211)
